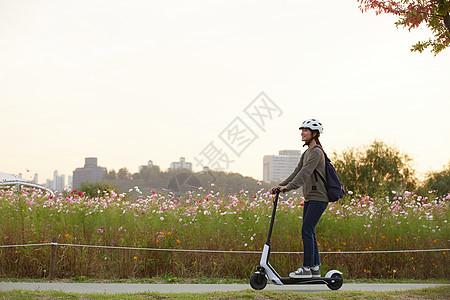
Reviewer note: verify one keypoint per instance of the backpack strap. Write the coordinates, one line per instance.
(315, 171)
(321, 177)
(326, 156)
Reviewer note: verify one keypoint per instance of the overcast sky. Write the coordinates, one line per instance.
(132, 81)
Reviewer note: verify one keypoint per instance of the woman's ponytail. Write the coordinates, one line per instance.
(316, 138)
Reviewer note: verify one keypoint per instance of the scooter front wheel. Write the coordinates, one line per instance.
(258, 281)
(337, 282)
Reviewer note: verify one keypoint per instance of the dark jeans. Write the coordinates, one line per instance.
(312, 211)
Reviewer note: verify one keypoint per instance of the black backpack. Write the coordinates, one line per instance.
(335, 189)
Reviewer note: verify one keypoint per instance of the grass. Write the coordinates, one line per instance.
(206, 280)
(153, 280)
(209, 220)
(426, 293)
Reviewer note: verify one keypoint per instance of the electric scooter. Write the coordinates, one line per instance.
(333, 279)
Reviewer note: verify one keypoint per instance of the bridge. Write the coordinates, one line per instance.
(9, 181)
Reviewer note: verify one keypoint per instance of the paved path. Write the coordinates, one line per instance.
(113, 288)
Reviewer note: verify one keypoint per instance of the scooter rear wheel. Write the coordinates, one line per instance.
(337, 282)
(258, 281)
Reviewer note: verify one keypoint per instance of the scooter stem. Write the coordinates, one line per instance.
(272, 220)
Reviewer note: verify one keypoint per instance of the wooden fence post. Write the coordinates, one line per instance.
(52, 258)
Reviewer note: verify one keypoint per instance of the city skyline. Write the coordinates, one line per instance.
(59, 179)
(155, 80)
(181, 164)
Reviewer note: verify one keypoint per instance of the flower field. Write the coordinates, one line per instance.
(207, 220)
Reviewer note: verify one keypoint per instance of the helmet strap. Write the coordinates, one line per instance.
(314, 137)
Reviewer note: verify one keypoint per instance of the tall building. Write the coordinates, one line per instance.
(70, 181)
(58, 183)
(36, 178)
(279, 167)
(89, 173)
(182, 164)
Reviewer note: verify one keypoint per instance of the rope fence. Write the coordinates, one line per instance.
(222, 251)
(54, 244)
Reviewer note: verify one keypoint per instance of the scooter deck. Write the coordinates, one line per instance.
(315, 280)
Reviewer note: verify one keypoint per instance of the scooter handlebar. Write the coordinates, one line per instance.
(278, 190)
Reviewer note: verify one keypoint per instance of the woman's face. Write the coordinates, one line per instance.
(306, 134)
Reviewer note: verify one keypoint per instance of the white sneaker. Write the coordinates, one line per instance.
(301, 273)
(315, 273)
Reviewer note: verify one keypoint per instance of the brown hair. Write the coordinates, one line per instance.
(316, 137)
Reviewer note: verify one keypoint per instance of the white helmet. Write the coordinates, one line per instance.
(312, 124)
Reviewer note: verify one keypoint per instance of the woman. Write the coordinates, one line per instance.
(315, 193)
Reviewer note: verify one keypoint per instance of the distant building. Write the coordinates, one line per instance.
(36, 179)
(149, 165)
(58, 183)
(279, 167)
(5, 177)
(90, 173)
(182, 164)
(70, 181)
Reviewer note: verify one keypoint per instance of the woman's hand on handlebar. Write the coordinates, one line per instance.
(278, 189)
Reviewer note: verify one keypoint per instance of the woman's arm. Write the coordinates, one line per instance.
(282, 185)
(307, 169)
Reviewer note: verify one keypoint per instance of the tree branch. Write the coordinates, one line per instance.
(447, 21)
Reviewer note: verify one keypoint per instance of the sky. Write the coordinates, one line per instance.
(223, 82)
